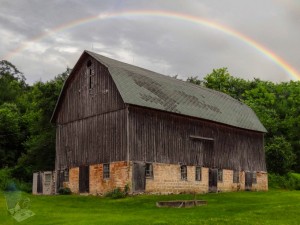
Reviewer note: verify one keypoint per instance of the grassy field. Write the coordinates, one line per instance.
(273, 207)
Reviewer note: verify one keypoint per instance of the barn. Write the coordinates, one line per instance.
(119, 124)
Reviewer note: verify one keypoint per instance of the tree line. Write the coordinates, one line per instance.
(27, 138)
(277, 105)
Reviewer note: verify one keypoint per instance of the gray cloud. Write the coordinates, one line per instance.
(169, 46)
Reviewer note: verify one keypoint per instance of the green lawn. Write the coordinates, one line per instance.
(273, 207)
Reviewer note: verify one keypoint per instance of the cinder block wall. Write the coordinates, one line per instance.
(167, 179)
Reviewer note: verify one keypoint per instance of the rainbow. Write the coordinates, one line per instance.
(170, 15)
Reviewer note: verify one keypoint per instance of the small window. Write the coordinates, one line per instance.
(106, 173)
(220, 175)
(66, 175)
(89, 63)
(48, 178)
(198, 173)
(90, 82)
(254, 178)
(183, 171)
(236, 176)
(149, 170)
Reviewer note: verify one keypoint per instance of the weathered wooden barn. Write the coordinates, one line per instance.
(118, 124)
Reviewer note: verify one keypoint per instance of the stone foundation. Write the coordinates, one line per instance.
(73, 183)
(166, 179)
(262, 182)
(119, 177)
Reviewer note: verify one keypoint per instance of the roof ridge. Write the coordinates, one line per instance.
(167, 77)
(147, 88)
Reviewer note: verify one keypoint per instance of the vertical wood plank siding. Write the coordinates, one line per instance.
(162, 137)
(79, 101)
(91, 123)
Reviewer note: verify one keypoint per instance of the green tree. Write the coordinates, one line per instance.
(40, 145)
(279, 155)
(9, 134)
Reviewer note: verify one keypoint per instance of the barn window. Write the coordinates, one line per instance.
(183, 171)
(220, 175)
(254, 178)
(106, 171)
(149, 170)
(236, 176)
(198, 173)
(90, 74)
(66, 175)
(47, 178)
(89, 63)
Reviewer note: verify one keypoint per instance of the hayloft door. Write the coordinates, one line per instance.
(84, 181)
(248, 181)
(138, 176)
(213, 180)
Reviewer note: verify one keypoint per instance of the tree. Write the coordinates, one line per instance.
(40, 145)
(9, 134)
(279, 155)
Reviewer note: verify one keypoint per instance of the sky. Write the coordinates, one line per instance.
(253, 39)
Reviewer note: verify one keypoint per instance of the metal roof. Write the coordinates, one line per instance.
(143, 87)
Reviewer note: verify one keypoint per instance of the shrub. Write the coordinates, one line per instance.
(118, 192)
(8, 183)
(64, 191)
(290, 181)
(5, 178)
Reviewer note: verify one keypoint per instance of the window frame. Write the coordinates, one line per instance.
(236, 177)
(220, 175)
(183, 172)
(66, 175)
(198, 173)
(106, 171)
(90, 74)
(149, 170)
(254, 177)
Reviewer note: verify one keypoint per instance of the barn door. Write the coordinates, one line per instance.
(248, 181)
(39, 183)
(138, 176)
(84, 181)
(60, 179)
(213, 180)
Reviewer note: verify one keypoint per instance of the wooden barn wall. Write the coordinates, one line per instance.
(157, 136)
(93, 140)
(79, 101)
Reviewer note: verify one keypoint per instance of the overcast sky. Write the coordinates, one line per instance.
(35, 36)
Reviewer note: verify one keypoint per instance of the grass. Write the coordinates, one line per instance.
(273, 207)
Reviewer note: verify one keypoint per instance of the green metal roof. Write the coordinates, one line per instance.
(142, 87)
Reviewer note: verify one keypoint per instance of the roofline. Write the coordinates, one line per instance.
(194, 117)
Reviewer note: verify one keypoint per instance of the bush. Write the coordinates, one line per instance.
(65, 191)
(8, 183)
(290, 181)
(5, 178)
(118, 192)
